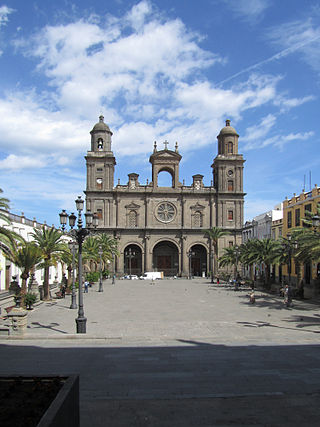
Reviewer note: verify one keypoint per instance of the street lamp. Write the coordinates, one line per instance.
(114, 269)
(190, 255)
(100, 252)
(212, 278)
(73, 247)
(236, 250)
(130, 254)
(315, 221)
(79, 234)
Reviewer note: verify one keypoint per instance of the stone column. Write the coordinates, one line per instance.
(19, 320)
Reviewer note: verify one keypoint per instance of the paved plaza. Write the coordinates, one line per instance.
(179, 353)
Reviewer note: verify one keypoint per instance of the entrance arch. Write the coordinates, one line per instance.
(198, 261)
(132, 260)
(166, 258)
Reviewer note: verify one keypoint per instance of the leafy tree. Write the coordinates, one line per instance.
(260, 251)
(91, 249)
(8, 238)
(307, 220)
(214, 234)
(50, 241)
(90, 253)
(27, 256)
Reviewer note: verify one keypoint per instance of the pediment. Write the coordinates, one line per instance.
(132, 205)
(165, 155)
(197, 207)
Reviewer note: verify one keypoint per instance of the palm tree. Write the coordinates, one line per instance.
(8, 238)
(264, 251)
(26, 257)
(214, 235)
(50, 241)
(247, 251)
(90, 253)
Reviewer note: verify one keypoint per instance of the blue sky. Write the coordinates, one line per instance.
(158, 70)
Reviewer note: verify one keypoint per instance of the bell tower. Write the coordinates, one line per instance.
(100, 159)
(228, 179)
(100, 163)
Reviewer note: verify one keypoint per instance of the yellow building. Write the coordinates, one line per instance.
(276, 233)
(294, 210)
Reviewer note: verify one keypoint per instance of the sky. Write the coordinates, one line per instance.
(157, 70)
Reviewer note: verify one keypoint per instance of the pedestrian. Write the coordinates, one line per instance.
(86, 286)
(63, 290)
(252, 297)
(218, 281)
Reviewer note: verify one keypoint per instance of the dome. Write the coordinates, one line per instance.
(101, 126)
(228, 130)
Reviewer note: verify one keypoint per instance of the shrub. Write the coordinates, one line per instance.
(30, 299)
(93, 276)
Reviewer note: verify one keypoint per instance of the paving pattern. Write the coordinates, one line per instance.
(179, 353)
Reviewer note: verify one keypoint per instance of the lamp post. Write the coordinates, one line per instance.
(100, 279)
(190, 255)
(79, 234)
(130, 254)
(72, 246)
(236, 249)
(114, 269)
(315, 222)
(212, 278)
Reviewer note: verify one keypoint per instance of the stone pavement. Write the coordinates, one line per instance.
(179, 353)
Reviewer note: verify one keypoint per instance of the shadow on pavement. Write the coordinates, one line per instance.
(189, 384)
(51, 326)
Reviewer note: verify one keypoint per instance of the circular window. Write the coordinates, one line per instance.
(230, 172)
(165, 212)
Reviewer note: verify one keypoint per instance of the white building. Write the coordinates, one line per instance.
(25, 227)
(260, 228)
(261, 225)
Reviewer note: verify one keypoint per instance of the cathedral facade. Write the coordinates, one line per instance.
(163, 228)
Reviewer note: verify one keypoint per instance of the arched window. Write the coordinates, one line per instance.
(197, 219)
(230, 147)
(230, 215)
(99, 182)
(132, 219)
(165, 179)
(100, 144)
(230, 185)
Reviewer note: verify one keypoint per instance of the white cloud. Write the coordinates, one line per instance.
(4, 13)
(299, 36)
(21, 162)
(249, 10)
(145, 72)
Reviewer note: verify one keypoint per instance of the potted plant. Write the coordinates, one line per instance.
(30, 299)
(18, 299)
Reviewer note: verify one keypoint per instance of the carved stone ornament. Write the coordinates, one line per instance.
(165, 212)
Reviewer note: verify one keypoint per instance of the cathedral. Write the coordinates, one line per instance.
(163, 228)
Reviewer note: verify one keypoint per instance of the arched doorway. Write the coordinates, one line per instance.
(166, 258)
(198, 262)
(132, 260)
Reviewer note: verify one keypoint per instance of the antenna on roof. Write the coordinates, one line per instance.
(310, 180)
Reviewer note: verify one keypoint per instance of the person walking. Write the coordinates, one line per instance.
(86, 286)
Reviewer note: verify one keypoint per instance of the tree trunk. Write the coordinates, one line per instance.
(46, 288)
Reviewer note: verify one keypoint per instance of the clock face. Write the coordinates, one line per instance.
(165, 212)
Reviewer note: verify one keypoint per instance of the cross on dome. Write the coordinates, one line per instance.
(166, 144)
